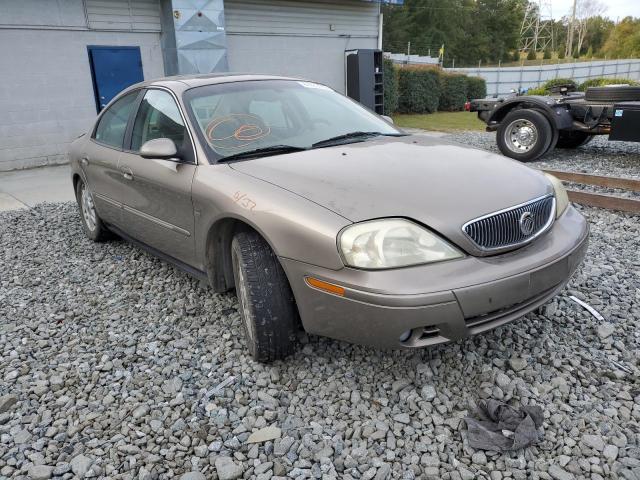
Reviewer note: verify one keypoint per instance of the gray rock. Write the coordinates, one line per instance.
(264, 435)
(610, 452)
(605, 330)
(282, 446)
(558, 473)
(402, 418)
(593, 441)
(428, 392)
(7, 401)
(227, 469)
(80, 465)
(193, 476)
(518, 363)
(40, 472)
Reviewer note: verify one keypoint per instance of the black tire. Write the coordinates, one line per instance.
(543, 135)
(612, 94)
(93, 228)
(573, 139)
(267, 307)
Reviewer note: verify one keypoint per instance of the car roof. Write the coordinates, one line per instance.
(198, 80)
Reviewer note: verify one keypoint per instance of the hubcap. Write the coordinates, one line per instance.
(244, 301)
(521, 136)
(88, 209)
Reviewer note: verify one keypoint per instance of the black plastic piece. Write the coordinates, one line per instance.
(625, 124)
(365, 80)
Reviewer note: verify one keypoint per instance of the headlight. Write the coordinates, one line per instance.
(562, 199)
(392, 242)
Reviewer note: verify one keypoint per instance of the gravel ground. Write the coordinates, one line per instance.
(114, 364)
(598, 157)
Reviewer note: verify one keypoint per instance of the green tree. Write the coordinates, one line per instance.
(624, 39)
(470, 30)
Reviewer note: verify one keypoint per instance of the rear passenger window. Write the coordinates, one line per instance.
(113, 123)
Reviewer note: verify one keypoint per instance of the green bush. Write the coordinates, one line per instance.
(532, 55)
(476, 88)
(390, 76)
(537, 91)
(453, 93)
(418, 89)
(547, 54)
(548, 85)
(601, 82)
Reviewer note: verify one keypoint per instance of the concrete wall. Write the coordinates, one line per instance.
(298, 38)
(46, 91)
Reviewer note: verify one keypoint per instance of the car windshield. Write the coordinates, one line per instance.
(277, 116)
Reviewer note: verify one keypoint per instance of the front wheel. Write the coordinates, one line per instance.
(267, 306)
(524, 135)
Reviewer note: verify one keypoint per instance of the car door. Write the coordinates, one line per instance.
(156, 193)
(101, 154)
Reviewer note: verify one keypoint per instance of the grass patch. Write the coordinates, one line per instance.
(441, 121)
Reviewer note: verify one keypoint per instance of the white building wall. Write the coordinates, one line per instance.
(46, 91)
(299, 38)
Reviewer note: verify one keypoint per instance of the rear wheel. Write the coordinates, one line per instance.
(524, 135)
(267, 306)
(573, 139)
(91, 223)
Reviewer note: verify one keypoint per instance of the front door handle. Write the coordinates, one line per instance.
(84, 161)
(127, 173)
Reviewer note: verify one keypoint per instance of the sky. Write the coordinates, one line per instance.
(617, 9)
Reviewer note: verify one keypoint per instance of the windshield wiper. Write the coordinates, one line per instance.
(263, 152)
(338, 140)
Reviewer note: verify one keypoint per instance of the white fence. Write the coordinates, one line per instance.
(501, 80)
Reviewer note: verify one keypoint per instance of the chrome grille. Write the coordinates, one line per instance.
(503, 230)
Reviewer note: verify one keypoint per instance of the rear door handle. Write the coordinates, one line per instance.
(84, 161)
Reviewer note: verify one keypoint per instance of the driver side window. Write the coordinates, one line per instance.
(158, 117)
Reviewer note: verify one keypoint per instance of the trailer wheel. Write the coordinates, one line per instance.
(573, 139)
(524, 135)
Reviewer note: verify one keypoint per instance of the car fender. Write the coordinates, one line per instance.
(294, 226)
(557, 113)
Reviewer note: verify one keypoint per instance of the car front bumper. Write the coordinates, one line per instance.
(436, 303)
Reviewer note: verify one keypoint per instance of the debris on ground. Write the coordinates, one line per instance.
(499, 427)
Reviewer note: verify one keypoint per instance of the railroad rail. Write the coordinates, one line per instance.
(610, 202)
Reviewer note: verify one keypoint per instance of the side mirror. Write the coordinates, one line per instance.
(388, 118)
(162, 148)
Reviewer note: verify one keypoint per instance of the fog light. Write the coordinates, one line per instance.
(405, 336)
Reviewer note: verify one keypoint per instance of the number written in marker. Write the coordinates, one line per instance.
(244, 201)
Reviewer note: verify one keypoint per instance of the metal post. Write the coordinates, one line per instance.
(520, 79)
(498, 78)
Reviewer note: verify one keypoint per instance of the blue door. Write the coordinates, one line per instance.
(113, 69)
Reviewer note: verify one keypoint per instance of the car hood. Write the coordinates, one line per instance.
(437, 183)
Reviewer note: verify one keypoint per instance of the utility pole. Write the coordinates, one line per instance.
(569, 51)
